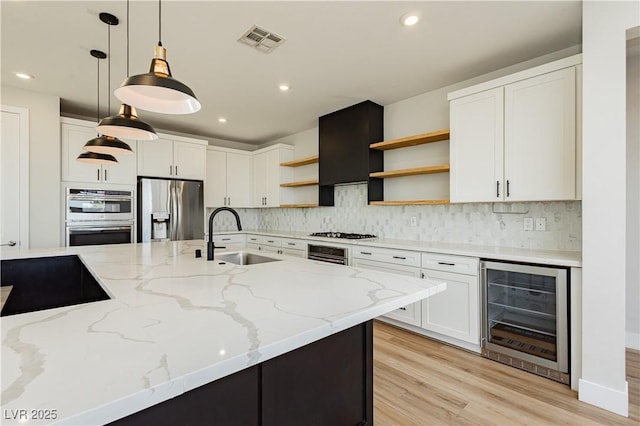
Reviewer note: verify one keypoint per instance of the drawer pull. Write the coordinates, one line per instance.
(402, 309)
(226, 239)
(292, 244)
(365, 252)
(400, 257)
(446, 263)
(270, 241)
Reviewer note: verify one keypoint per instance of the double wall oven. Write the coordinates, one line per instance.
(98, 216)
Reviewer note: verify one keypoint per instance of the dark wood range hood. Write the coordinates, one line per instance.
(344, 153)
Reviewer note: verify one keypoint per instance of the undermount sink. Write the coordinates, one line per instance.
(243, 258)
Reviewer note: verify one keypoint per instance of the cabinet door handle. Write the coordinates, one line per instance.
(228, 201)
(176, 167)
(105, 175)
(497, 189)
(98, 178)
(446, 263)
(170, 170)
(400, 257)
(508, 188)
(422, 275)
(365, 252)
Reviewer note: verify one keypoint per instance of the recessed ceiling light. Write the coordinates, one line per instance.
(284, 87)
(409, 19)
(222, 120)
(24, 76)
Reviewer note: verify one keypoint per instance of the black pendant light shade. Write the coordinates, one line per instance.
(126, 125)
(157, 90)
(95, 158)
(107, 145)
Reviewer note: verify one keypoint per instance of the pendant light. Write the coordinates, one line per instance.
(94, 157)
(157, 90)
(126, 124)
(106, 144)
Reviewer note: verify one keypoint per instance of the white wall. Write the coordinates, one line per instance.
(633, 195)
(604, 202)
(44, 164)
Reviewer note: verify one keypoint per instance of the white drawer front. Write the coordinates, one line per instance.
(272, 241)
(291, 243)
(229, 239)
(450, 263)
(410, 314)
(292, 252)
(397, 257)
(254, 239)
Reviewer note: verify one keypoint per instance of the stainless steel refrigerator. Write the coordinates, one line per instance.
(170, 210)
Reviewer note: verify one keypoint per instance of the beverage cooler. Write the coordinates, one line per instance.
(525, 317)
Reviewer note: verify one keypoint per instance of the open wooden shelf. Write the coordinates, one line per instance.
(299, 205)
(299, 183)
(411, 172)
(301, 162)
(440, 135)
(408, 202)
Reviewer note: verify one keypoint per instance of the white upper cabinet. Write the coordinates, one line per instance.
(540, 137)
(476, 147)
(268, 175)
(517, 141)
(75, 133)
(229, 178)
(170, 157)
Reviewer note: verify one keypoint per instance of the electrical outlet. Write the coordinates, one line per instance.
(528, 224)
(541, 224)
(414, 221)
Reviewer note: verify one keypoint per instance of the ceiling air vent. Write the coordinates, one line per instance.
(261, 39)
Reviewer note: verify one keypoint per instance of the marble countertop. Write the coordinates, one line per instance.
(176, 322)
(546, 257)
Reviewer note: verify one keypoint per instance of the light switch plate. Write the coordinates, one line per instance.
(541, 224)
(528, 224)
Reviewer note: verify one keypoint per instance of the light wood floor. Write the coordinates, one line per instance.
(418, 381)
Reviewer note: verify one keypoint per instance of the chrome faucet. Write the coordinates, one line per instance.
(210, 244)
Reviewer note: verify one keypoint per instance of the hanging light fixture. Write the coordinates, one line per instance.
(157, 90)
(107, 144)
(95, 157)
(125, 124)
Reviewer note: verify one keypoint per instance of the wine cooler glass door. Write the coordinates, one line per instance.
(526, 313)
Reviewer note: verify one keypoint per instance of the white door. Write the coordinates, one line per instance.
(189, 160)
(259, 179)
(155, 158)
(73, 139)
(540, 138)
(272, 169)
(476, 147)
(239, 179)
(14, 177)
(216, 183)
(454, 312)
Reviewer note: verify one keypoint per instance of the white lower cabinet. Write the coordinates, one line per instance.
(455, 312)
(379, 259)
(277, 245)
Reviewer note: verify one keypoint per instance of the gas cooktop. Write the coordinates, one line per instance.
(346, 235)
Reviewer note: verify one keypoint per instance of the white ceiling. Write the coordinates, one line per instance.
(336, 53)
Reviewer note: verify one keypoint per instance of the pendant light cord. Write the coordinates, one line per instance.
(127, 38)
(159, 22)
(98, 86)
(109, 69)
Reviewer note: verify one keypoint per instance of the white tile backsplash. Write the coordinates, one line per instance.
(453, 223)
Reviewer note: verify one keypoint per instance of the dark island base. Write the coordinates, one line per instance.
(328, 382)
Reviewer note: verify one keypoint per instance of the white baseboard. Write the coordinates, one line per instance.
(633, 340)
(610, 399)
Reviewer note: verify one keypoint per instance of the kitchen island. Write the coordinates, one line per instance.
(175, 323)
